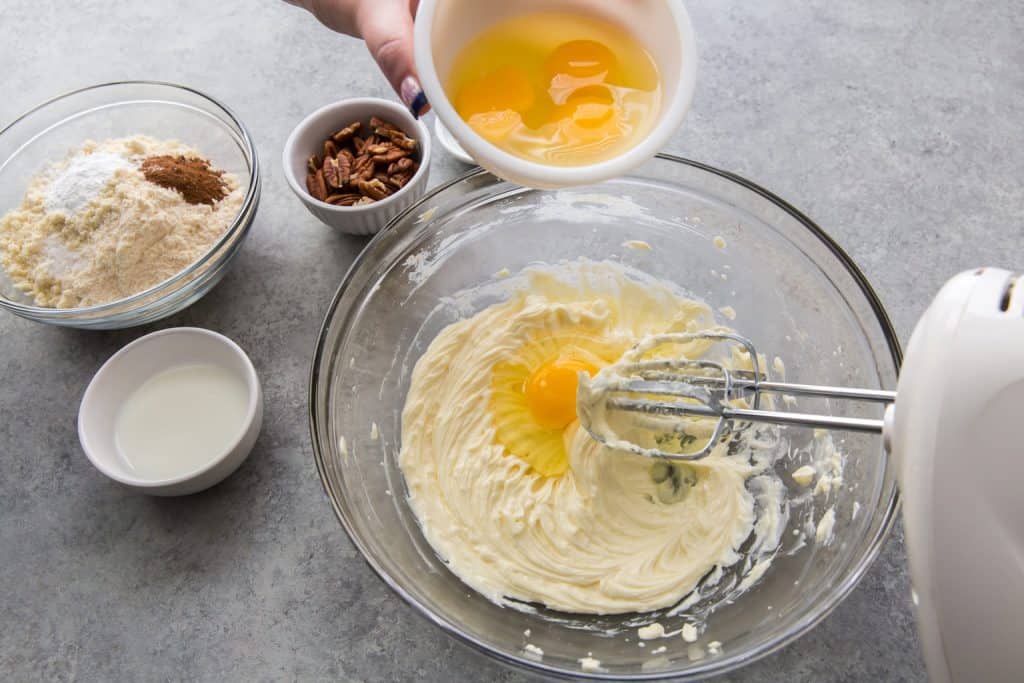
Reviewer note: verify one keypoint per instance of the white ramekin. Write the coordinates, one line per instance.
(128, 369)
(308, 138)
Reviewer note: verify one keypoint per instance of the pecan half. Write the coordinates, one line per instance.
(400, 180)
(397, 137)
(347, 132)
(333, 175)
(403, 165)
(392, 155)
(376, 123)
(313, 164)
(373, 189)
(363, 167)
(316, 185)
(346, 199)
(345, 162)
(330, 149)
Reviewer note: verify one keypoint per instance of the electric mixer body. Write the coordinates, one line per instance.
(955, 436)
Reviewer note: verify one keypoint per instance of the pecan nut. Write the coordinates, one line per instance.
(374, 189)
(316, 185)
(333, 175)
(376, 123)
(397, 137)
(346, 133)
(344, 164)
(391, 156)
(403, 165)
(346, 199)
(363, 167)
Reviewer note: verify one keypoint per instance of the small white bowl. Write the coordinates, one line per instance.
(444, 27)
(308, 138)
(128, 369)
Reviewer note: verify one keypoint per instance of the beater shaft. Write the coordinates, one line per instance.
(850, 424)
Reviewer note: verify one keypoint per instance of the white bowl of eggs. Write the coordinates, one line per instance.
(557, 93)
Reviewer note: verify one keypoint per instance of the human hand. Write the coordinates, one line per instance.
(386, 26)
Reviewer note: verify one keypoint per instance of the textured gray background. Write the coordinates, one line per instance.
(896, 125)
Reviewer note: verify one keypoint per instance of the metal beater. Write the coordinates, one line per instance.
(708, 389)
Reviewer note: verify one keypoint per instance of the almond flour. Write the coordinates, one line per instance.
(128, 234)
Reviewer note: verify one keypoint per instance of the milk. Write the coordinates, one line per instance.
(181, 420)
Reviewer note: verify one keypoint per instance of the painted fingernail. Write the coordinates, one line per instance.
(413, 96)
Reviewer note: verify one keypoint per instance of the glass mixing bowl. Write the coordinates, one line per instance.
(796, 295)
(164, 111)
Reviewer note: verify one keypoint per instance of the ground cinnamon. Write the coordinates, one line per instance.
(192, 178)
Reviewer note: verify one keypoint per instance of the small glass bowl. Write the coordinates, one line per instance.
(111, 110)
(794, 292)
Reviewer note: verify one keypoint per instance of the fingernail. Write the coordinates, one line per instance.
(413, 96)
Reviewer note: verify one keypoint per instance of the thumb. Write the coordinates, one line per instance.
(386, 26)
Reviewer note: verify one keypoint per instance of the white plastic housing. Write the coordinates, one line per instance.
(956, 436)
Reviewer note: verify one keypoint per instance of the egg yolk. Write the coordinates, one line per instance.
(589, 113)
(507, 88)
(551, 391)
(580, 59)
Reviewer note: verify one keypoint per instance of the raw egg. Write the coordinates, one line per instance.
(533, 395)
(557, 88)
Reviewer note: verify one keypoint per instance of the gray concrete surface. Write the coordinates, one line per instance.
(896, 125)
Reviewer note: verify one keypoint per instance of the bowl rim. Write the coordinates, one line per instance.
(110, 366)
(290, 150)
(729, 662)
(531, 173)
(239, 224)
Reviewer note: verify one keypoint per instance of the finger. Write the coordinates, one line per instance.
(387, 29)
(337, 15)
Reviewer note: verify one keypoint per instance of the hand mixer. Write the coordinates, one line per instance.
(952, 426)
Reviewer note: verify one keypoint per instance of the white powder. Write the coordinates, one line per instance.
(58, 258)
(81, 181)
